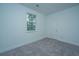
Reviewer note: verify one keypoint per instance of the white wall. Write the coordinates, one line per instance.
(64, 25)
(1, 26)
(12, 23)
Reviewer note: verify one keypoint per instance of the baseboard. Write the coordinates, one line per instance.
(16, 46)
(64, 40)
(19, 45)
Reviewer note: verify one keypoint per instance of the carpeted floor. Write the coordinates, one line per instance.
(45, 47)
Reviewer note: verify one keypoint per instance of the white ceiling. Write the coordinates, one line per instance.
(48, 8)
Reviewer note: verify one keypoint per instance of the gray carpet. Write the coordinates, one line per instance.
(45, 47)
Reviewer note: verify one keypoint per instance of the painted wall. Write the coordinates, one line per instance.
(12, 23)
(64, 25)
(1, 21)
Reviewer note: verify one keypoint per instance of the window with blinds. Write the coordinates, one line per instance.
(31, 22)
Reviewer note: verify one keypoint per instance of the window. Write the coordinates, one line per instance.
(31, 22)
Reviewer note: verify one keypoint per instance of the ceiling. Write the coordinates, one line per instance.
(48, 8)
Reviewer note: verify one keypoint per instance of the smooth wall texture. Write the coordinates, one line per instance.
(64, 25)
(12, 26)
(1, 21)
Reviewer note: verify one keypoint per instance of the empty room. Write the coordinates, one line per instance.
(39, 29)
